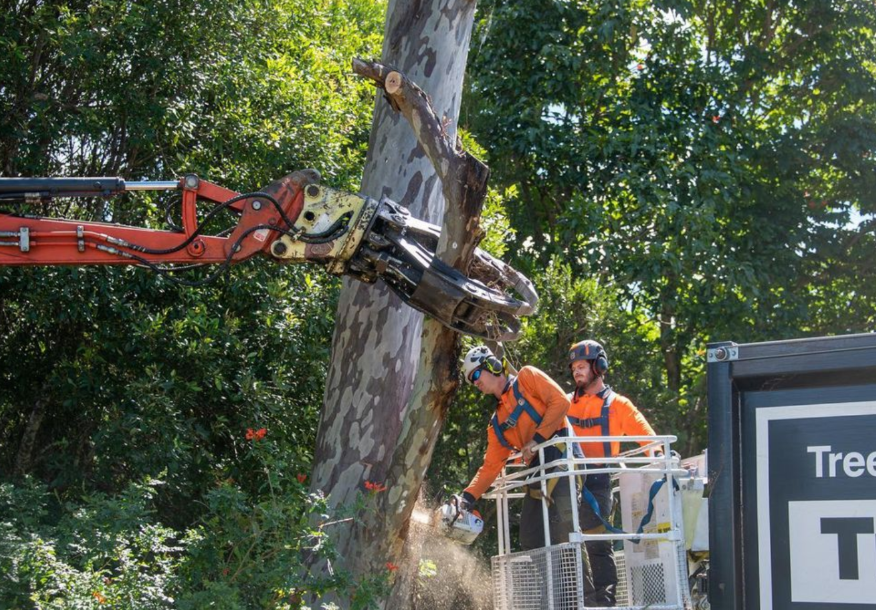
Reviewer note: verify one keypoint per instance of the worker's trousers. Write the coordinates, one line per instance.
(561, 523)
(600, 551)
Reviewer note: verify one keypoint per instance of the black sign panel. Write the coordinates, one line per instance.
(792, 474)
(816, 506)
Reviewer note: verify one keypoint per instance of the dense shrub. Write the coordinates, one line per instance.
(249, 548)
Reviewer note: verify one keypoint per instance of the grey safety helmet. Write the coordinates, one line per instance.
(593, 352)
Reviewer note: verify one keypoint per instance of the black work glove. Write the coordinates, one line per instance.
(466, 501)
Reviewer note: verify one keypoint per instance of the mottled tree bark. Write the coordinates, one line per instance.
(391, 376)
(464, 186)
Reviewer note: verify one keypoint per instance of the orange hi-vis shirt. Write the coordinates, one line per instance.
(624, 419)
(547, 398)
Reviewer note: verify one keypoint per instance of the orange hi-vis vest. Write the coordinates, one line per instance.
(545, 397)
(593, 415)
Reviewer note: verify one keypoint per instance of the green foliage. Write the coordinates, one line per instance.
(238, 92)
(251, 548)
(167, 380)
(712, 164)
(247, 550)
(106, 550)
(114, 376)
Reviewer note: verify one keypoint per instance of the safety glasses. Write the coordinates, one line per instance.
(476, 375)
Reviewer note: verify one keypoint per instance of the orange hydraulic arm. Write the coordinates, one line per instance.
(28, 240)
(293, 219)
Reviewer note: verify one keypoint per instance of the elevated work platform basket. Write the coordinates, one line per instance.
(652, 568)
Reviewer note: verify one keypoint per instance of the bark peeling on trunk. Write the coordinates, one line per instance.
(392, 376)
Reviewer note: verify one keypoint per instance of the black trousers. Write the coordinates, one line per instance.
(600, 552)
(559, 518)
(561, 523)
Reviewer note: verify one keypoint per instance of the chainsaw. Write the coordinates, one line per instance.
(459, 524)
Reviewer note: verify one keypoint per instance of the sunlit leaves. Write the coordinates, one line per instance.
(121, 374)
(705, 158)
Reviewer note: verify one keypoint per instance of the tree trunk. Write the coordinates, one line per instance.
(28, 439)
(375, 426)
(669, 345)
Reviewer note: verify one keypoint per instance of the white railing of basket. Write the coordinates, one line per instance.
(506, 483)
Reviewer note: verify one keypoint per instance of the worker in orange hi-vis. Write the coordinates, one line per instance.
(530, 409)
(596, 410)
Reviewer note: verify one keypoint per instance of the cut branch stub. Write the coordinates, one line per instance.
(406, 97)
(393, 82)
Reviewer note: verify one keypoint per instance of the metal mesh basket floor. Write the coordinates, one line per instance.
(622, 593)
(548, 578)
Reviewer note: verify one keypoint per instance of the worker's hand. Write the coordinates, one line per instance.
(529, 451)
(466, 501)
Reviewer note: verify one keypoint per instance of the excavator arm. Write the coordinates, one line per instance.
(292, 220)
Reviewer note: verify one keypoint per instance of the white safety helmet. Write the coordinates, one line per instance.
(481, 356)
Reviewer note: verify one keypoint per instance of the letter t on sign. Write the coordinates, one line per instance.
(819, 464)
(847, 530)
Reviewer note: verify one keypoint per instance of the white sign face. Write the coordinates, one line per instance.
(816, 506)
(833, 551)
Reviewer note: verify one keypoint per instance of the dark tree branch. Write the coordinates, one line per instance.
(28, 439)
(407, 98)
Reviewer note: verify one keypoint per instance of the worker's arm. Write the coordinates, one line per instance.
(494, 461)
(537, 383)
(632, 422)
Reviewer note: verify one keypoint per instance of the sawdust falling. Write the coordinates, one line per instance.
(452, 576)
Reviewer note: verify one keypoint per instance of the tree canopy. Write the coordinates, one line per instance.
(710, 164)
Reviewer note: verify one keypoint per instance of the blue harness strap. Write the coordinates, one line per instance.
(522, 405)
(652, 493)
(594, 506)
(601, 421)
